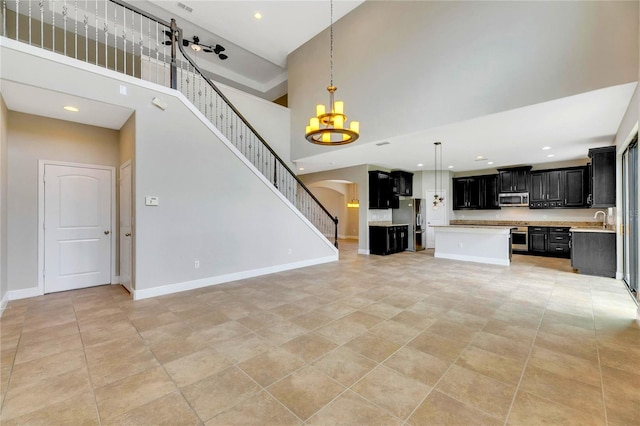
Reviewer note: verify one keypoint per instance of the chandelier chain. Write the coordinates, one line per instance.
(331, 48)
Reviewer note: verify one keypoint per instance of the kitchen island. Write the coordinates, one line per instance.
(482, 244)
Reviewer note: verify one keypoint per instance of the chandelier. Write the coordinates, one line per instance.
(328, 126)
(354, 202)
(438, 197)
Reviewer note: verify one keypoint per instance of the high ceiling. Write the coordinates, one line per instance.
(257, 62)
(257, 49)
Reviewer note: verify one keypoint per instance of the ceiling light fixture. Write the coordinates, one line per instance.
(420, 164)
(544, 148)
(197, 46)
(438, 198)
(71, 108)
(257, 16)
(354, 203)
(328, 128)
(450, 167)
(551, 155)
(301, 168)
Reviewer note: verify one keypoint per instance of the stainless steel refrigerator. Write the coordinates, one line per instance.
(412, 212)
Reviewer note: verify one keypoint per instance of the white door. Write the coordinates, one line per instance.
(434, 217)
(77, 227)
(125, 225)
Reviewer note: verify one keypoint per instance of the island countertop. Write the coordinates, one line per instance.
(476, 228)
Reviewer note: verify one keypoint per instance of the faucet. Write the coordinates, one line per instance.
(604, 218)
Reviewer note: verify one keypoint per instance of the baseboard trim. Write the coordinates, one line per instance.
(221, 279)
(4, 302)
(115, 280)
(619, 275)
(24, 293)
(364, 251)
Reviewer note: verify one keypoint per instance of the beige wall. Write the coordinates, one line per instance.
(33, 138)
(3, 199)
(405, 66)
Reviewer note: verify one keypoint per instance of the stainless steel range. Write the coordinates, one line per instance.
(520, 239)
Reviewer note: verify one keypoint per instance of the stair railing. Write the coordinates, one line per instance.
(121, 37)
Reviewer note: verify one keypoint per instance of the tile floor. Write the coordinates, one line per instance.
(404, 339)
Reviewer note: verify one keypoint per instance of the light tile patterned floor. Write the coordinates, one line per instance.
(404, 339)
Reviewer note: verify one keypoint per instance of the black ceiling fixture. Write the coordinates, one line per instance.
(197, 46)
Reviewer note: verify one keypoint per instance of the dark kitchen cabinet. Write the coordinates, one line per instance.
(538, 237)
(384, 240)
(466, 193)
(559, 242)
(546, 190)
(603, 179)
(594, 253)
(475, 192)
(549, 241)
(514, 180)
(489, 192)
(558, 188)
(402, 183)
(576, 187)
(380, 190)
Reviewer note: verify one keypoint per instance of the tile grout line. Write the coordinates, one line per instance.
(533, 342)
(595, 332)
(86, 361)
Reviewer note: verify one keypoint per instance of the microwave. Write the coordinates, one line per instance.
(514, 199)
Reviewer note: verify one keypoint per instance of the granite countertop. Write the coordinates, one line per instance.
(580, 225)
(591, 229)
(476, 226)
(386, 224)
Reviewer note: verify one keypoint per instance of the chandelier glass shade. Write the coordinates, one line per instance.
(354, 202)
(328, 127)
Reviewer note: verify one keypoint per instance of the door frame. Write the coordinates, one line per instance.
(131, 285)
(41, 167)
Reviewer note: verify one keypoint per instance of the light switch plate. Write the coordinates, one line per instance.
(151, 201)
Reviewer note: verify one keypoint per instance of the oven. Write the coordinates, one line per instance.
(520, 239)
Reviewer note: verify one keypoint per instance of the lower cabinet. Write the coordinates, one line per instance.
(594, 253)
(385, 240)
(549, 241)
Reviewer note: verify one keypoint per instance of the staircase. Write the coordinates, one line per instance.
(123, 38)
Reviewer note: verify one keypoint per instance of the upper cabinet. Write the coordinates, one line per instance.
(603, 176)
(514, 179)
(558, 188)
(402, 183)
(385, 187)
(379, 190)
(475, 192)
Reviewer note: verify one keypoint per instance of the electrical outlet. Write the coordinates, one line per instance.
(196, 263)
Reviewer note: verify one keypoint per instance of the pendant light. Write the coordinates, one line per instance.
(354, 203)
(438, 198)
(328, 126)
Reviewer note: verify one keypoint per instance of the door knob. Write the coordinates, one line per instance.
(106, 232)
(128, 234)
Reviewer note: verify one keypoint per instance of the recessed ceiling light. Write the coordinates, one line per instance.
(544, 148)
(300, 168)
(71, 108)
(257, 15)
(490, 162)
(420, 164)
(450, 167)
(479, 157)
(551, 155)
(383, 143)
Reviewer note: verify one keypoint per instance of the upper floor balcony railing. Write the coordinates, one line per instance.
(118, 36)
